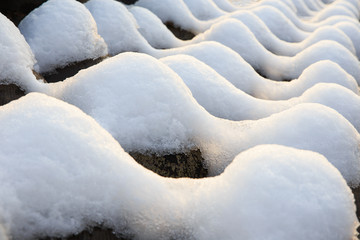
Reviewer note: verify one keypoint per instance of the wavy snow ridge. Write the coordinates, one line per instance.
(91, 180)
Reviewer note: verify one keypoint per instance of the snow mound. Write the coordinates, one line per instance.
(280, 47)
(55, 150)
(61, 32)
(17, 60)
(121, 99)
(222, 99)
(353, 33)
(297, 211)
(153, 30)
(236, 70)
(287, 26)
(225, 5)
(273, 66)
(323, 71)
(341, 8)
(204, 9)
(116, 25)
(153, 110)
(176, 12)
(275, 6)
(55, 164)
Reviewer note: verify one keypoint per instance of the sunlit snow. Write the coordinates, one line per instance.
(44, 30)
(267, 90)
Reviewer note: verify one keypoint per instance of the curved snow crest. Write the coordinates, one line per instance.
(61, 32)
(273, 8)
(339, 8)
(323, 71)
(117, 26)
(75, 153)
(288, 27)
(222, 99)
(55, 150)
(159, 36)
(353, 33)
(153, 110)
(177, 13)
(259, 172)
(236, 70)
(153, 30)
(16, 58)
(310, 120)
(204, 9)
(273, 66)
(137, 107)
(280, 47)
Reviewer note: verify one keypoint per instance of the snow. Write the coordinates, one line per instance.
(274, 213)
(153, 30)
(176, 12)
(116, 25)
(277, 169)
(204, 9)
(225, 5)
(280, 47)
(153, 111)
(220, 98)
(353, 32)
(17, 60)
(287, 26)
(269, 5)
(160, 37)
(230, 65)
(273, 66)
(88, 179)
(61, 32)
(335, 10)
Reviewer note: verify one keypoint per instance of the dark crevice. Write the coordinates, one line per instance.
(179, 165)
(97, 233)
(70, 70)
(10, 92)
(179, 32)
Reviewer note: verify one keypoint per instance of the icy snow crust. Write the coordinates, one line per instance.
(61, 32)
(17, 60)
(88, 179)
(153, 110)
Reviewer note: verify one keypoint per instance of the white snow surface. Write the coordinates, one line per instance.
(177, 12)
(153, 30)
(63, 170)
(61, 32)
(280, 47)
(17, 60)
(222, 99)
(116, 25)
(238, 37)
(287, 26)
(204, 9)
(71, 174)
(153, 110)
(235, 69)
